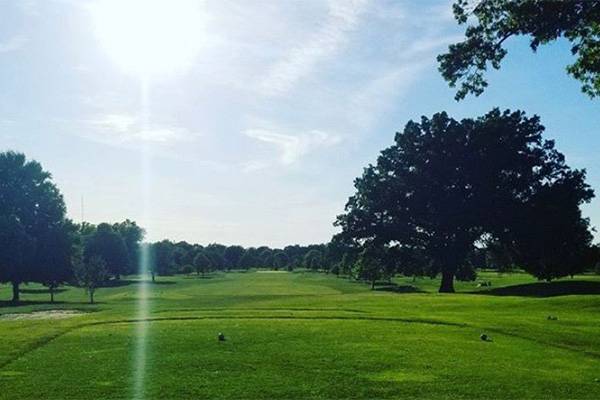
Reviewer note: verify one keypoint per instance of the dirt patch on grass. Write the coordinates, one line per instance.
(49, 314)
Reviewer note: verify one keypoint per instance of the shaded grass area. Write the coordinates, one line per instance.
(547, 289)
(304, 335)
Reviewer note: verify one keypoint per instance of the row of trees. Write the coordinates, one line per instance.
(167, 258)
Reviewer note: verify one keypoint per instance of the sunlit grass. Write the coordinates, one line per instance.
(299, 335)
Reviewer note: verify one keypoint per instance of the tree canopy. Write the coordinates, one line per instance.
(32, 219)
(446, 185)
(491, 22)
(108, 245)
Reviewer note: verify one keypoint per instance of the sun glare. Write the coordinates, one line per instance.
(149, 37)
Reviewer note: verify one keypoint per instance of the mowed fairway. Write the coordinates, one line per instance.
(306, 335)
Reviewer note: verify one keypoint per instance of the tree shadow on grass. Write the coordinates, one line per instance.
(161, 282)
(119, 283)
(395, 288)
(545, 289)
(58, 303)
(41, 291)
(21, 303)
(198, 277)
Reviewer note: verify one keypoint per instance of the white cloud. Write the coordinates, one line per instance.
(125, 128)
(344, 15)
(12, 44)
(291, 147)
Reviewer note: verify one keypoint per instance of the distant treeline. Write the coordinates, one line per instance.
(168, 257)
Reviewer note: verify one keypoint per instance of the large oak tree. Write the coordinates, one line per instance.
(446, 185)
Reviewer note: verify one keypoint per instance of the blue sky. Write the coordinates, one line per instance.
(254, 136)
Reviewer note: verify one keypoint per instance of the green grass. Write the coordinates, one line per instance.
(304, 335)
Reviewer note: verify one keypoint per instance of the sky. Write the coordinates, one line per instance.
(246, 122)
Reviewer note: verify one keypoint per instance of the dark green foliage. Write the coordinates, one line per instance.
(108, 245)
(132, 236)
(374, 263)
(313, 260)
(491, 22)
(55, 251)
(162, 258)
(91, 274)
(232, 256)
(281, 260)
(249, 259)
(202, 263)
(32, 219)
(446, 184)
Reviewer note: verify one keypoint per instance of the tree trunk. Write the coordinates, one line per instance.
(373, 284)
(51, 295)
(447, 285)
(15, 290)
(153, 277)
(91, 297)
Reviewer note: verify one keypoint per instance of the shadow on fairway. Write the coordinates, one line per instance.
(119, 283)
(23, 303)
(127, 282)
(41, 291)
(395, 288)
(198, 277)
(545, 289)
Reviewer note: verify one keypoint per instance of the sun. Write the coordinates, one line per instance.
(149, 38)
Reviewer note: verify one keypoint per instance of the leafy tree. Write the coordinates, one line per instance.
(202, 263)
(249, 259)
(347, 264)
(294, 254)
(313, 260)
(555, 240)
(110, 246)
(499, 257)
(232, 256)
(374, 263)
(32, 210)
(216, 254)
(181, 254)
(280, 260)
(132, 236)
(445, 184)
(91, 274)
(186, 269)
(491, 22)
(15, 254)
(55, 251)
(265, 257)
(162, 258)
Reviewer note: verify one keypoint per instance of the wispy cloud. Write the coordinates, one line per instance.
(344, 15)
(291, 147)
(126, 128)
(12, 44)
